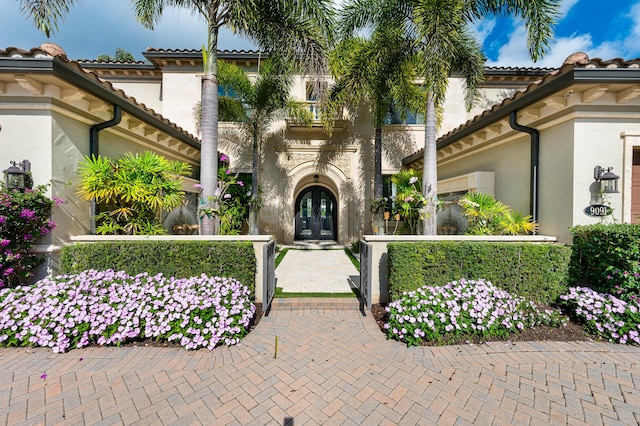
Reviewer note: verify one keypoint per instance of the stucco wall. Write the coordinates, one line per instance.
(556, 177)
(26, 135)
(510, 161)
(180, 93)
(146, 92)
(69, 141)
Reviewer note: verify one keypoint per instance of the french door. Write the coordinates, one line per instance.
(316, 215)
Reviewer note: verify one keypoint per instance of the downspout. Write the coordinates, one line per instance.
(535, 157)
(94, 151)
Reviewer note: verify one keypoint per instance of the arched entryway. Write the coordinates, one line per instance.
(316, 213)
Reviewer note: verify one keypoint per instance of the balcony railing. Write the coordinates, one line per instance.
(339, 122)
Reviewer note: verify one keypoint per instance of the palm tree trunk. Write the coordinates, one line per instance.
(210, 223)
(429, 170)
(253, 208)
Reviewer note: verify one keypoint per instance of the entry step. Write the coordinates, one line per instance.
(316, 303)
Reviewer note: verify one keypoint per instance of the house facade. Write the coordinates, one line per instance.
(315, 185)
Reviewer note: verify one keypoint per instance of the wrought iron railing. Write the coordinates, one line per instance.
(365, 273)
(269, 275)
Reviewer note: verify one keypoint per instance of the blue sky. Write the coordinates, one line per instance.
(601, 28)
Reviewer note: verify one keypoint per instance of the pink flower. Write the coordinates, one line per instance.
(224, 158)
(27, 214)
(198, 186)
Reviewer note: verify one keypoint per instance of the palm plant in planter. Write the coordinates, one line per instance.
(132, 192)
(488, 216)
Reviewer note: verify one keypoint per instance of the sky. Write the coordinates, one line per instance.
(605, 29)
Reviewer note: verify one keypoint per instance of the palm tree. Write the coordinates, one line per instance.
(442, 36)
(300, 29)
(256, 104)
(380, 72)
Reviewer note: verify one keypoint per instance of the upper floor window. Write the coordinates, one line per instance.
(411, 117)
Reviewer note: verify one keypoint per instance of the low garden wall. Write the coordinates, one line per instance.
(401, 263)
(237, 256)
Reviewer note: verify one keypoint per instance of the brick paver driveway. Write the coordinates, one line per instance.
(332, 367)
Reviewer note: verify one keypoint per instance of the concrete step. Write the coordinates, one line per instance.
(316, 303)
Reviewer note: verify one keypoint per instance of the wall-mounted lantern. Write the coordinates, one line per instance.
(608, 180)
(15, 176)
(316, 179)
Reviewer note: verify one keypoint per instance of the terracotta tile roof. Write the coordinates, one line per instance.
(111, 63)
(199, 51)
(575, 61)
(43, 52)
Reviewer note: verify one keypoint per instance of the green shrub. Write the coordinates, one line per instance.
(537, 272)
(180, 259)
(599, 249)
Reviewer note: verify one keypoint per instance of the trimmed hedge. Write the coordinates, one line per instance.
(537, 272)
(180, 259)
(596, 247)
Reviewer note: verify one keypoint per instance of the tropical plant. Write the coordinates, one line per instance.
(410, 203)
(488, 216)
(256, 103)
(298, 29)
(133, 191)
(235, 200)
(442, 38)
(380, 72)
(24, 219)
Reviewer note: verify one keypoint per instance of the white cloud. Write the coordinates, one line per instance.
(631, 44)
(483, 28)
(566, 6)
(514, 52)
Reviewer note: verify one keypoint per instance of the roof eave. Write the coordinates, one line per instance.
(75, 77)
(573, 76)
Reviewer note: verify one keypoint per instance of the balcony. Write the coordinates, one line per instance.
(339, 123)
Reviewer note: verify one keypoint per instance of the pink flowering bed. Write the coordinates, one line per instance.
(111, 308)
(605, 315)
(463, 308)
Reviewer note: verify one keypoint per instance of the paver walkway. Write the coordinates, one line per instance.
(332, 367)
(324, 271)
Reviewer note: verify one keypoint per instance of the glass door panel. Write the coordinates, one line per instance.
(316, 215)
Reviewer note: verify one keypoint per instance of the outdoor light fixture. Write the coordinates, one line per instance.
(14, 176)
(316, 179)
(607, 179)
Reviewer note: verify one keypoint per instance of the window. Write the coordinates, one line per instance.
(389, 191)
(394, 117)
(312, 97)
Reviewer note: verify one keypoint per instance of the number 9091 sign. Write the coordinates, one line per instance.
(598, 210)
